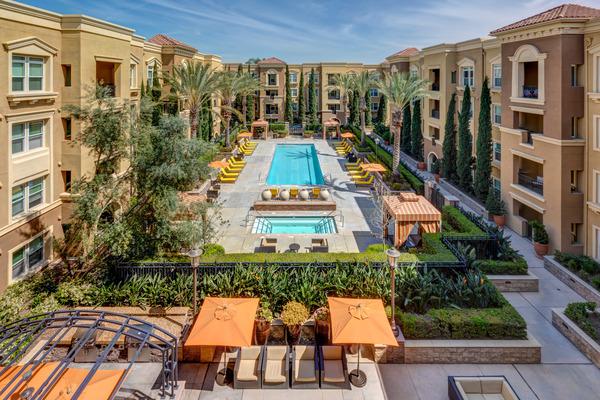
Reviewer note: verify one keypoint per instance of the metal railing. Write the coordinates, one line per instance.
(530, 92)
(435, 114)
(534, 184)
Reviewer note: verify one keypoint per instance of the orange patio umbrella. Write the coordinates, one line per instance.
(219, 164)
(359, 321)
(244, 135)
(224, 322)
(102, 386)
(347, 135)
(373, 167)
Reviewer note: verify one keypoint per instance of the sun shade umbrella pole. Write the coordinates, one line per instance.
(393, 256)
(357, 377)
(195, 254)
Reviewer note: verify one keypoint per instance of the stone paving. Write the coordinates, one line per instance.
(355, 209)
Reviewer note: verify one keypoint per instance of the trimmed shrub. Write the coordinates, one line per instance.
(499, 267)
(457, 224)
(580, 314)
(211, 249)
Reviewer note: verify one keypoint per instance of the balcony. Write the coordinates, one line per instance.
(534, 184)
(111, 90)
(435, 114)
(435, 86)
(530, 92)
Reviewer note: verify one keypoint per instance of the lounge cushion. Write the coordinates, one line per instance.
(305, 352)
(276, 352)
(304, 371)
(332, 352)
(275, 371)
(333, 371)
(491, 385)
(250, 353)
(248, 371)
(470, 385)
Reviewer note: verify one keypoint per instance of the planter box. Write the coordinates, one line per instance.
(515, 283)
(570, 279)
(579, 338)
(491, 351)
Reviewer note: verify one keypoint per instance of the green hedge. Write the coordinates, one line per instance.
(499, 267)
(450, 323)
(580, 314)
(457, 224)
(277, 126)
(583, 266)
(416, 182)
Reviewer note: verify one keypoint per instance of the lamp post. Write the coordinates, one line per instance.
(195, 254)
(377, 141)
(393, 255)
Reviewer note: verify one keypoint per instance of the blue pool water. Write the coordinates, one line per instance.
(294, 225)
(295, 164)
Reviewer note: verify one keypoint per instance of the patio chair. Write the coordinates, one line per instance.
(274, 192)
(247, 372)
(229, 174)
(316, 192)
(132, 343)
(480, 388)
(333, 367)
(225, 179)
(361, 176)
(233, 161)
(364, 182)
(268, 245)
(305, 367)
(293, 193)
(276, 367)
(319, 245)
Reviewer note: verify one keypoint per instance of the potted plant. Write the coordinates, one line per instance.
(540, 238)
(293, 316)
(496, 207)
(435, 170)
(263, 319)
(321, 316)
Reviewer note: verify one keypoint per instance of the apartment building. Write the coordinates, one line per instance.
(271, 98)
(47, 61)
(544, 77)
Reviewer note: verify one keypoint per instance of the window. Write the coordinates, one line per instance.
(497, 151)
(27, 74)
(575, 233)
(150, 74)
(27, 257)
(497, 110)
(467, 76)
(67, 180)
(133, 76)
(334, 108)
(333, 94)
(597, 244)
(574, 75)
(272, 79)
(414, 71)
(294, 92)
(597, 194)
(374, 93)
(293, 77)
(496, 75)
(295, 107)
(574, 127)
(66, 68)
(331, 79)
(496, 184)
(66, 122)
(27, 136)
(453, 77)
(374, 106)
(575, 181)
(316, 76)
(596, 129)
(27, 196)
(271, 109)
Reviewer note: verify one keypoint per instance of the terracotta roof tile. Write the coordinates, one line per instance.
(410, 51)
(271, 60)
(164, 40)
(565, 11)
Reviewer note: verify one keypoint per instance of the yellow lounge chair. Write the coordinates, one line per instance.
(229, 174)
(293, 193)
(344, 147)
(274, 192)
(354, 167)
(364, 182)
(359, 172)
(247, 149)
(233, 170)
(365, 175)
(233, 161)
(316, 192)
(224, 179)
(342, 152)
(247, 152)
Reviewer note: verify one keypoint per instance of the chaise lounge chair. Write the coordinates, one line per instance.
(319, 245)
(305, 367)
(293, 193)
(226, 179)
(359, 177)
(316, 193)
(247, 372)
(276, 367)
(267, 245)
(333, 367)
(274, 192)
(480, 388)
(364, 182)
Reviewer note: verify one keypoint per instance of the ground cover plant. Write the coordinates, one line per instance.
(583, 266)
(585, 317)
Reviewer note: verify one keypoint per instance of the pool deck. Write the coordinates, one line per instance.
(355, 208)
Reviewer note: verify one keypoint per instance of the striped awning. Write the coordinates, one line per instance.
(409, 207)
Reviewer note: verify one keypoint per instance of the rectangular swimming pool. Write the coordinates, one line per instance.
(294, 225)
(295, 164)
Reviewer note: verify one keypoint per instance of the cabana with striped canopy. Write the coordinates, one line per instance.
(408, 209)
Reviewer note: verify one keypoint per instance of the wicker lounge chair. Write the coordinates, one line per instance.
(247, 372)
(276, 367)
(305, 367)
(333, 367)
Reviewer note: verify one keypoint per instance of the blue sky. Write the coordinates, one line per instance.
(308, 30)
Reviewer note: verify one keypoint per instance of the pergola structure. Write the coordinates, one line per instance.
(408, 209)
(34, 368)
(260, 123)
(332, 123)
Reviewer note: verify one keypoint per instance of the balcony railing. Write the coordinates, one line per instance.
(435, 86)
(534, 184)
(530, 92)
(111, 89)
(435, 114)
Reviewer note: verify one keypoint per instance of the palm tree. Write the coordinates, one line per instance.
(344, 84)
(362, 83)
(401, 90)
(230, 86)
(194, 83)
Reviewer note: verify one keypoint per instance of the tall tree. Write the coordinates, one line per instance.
(301, 101)
(354, 109)
(368, 113)
(195, 83)
(449, 146)
(239, 103)
(343, 82)
(231, 85)
(382, 110)
(465, 144)
(416, 133)
(312, 99)
(250, 104)
(289, 113)
(405, 138)
(362, 82)
(483, 166)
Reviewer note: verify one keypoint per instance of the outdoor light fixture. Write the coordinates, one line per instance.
(393, 254)
(195, 254)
